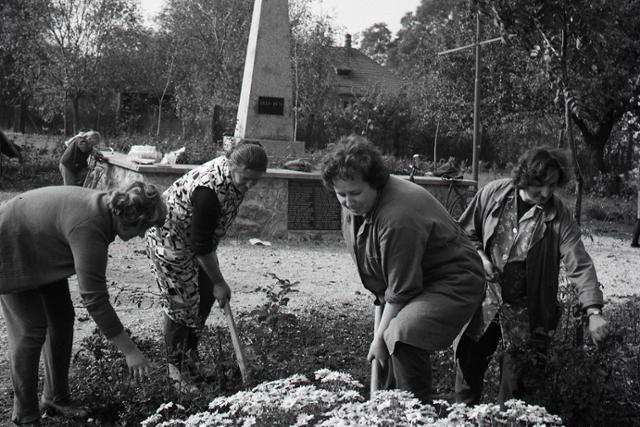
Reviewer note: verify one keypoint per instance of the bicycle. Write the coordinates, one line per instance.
(459, 191)
(95, 173)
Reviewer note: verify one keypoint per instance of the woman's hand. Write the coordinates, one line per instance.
(489, 268)
(598, 328)
(378, 351)
(139, 366)
(222, 293)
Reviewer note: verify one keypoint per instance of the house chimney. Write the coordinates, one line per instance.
(347, 41)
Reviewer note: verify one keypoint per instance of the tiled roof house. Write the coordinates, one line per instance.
(355, 74)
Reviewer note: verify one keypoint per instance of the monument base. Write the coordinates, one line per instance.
(274, 148)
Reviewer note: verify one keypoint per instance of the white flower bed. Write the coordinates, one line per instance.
(333, 399)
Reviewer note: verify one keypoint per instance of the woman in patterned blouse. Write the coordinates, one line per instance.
(202, 205)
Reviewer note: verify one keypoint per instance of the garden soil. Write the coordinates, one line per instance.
(324, 273)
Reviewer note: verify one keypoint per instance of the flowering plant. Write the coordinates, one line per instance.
(333, 399)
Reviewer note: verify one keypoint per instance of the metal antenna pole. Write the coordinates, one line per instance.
(476, 104)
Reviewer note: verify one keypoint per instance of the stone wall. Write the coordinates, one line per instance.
(264, 212)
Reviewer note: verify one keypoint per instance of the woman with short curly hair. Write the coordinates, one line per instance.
(47, 235)
(523, 232)
(411, 254)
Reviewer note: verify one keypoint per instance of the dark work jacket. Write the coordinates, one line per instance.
(556, 239)
(410, 251)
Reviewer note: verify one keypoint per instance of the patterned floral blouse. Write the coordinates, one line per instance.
(170, 247)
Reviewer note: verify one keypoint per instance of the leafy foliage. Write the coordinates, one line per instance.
(215, 30)
(583, 384)
(589, 51)
(376, 41)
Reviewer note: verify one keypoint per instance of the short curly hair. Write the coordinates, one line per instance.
(538, 166)
(352, 156)
(139, 205)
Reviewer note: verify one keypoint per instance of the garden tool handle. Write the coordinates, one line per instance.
(235, 340)
(375, 365)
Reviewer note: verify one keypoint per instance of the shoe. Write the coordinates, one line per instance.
(199, 371)
(635, 245)
(181, 380)
(68, 409)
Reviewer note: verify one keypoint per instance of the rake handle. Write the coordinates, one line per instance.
(375, 365)
(237, 345)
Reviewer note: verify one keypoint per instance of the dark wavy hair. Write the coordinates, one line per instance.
(248, 154)
(538, 166)
(352, 156)
(139, 204)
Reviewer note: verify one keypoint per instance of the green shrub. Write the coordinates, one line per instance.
(584, 385)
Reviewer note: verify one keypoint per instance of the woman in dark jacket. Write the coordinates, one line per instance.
(411, 255)
(47, 235)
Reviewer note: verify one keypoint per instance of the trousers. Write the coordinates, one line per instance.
(38, 318)
(72, 178)
(408, 368)
(181, 339)
(516, 367)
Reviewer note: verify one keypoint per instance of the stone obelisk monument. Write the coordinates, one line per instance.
(265, 110)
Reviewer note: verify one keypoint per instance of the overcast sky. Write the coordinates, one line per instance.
(353, 15)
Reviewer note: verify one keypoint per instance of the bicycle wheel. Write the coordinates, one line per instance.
(96, 170)
(459, 202)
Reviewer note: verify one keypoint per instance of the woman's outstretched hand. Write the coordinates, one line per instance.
(222, 293)
(139, 365)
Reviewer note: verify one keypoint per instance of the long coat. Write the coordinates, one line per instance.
(556, 239)
(410, 251)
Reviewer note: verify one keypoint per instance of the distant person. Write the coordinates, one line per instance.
(636, 228)
(8, 148)
(74, 165)
(202, 205)
(411, 255)
(522, 233)
(47, 235)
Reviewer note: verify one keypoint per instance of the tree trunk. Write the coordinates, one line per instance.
(628, 163)
(159, 122)
(217, 127)
(577, 210)
(76, 112)
(597, 141)
(595, 144)
(23, 116)
(561, 139)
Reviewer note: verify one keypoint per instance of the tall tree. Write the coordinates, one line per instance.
(376, 41)
(312, 48)
(589, 49)
(209, 40)
(21, 27)
(442, 85)
(77, 34)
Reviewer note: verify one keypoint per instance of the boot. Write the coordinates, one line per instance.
(181, 379)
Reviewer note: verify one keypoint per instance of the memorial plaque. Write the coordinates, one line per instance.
(312, 207)
(270, 105)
